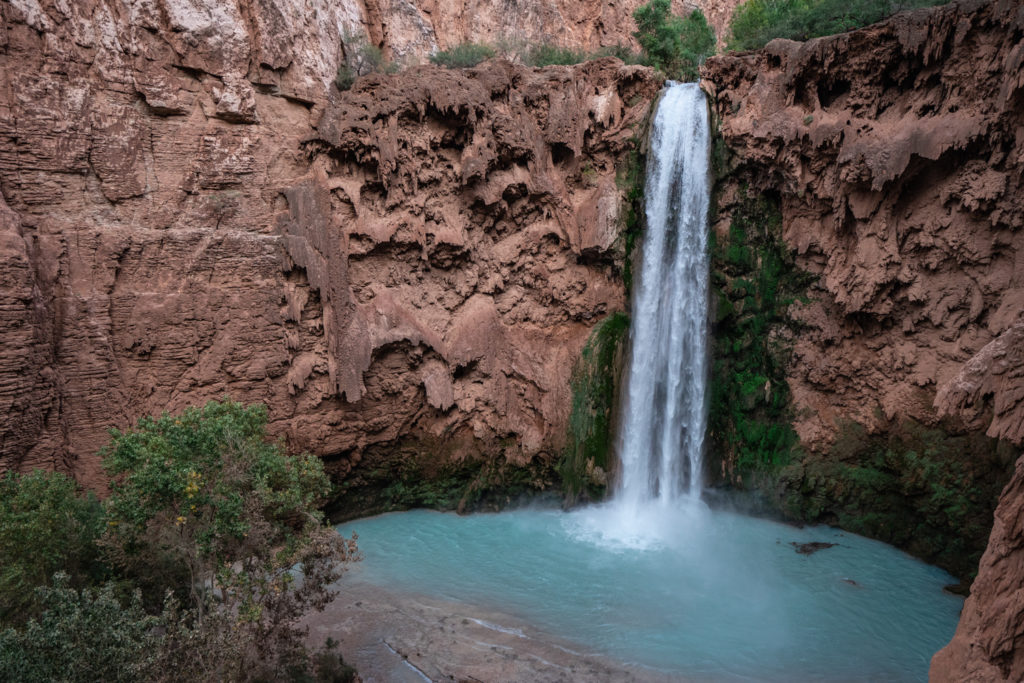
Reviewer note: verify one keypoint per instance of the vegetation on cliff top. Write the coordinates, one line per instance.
(199, 542)
(756, 22)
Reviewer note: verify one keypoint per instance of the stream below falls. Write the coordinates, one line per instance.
(698, 593)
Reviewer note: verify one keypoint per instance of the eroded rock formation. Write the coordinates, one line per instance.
(190, 210)
(897, 155)
(989, 641)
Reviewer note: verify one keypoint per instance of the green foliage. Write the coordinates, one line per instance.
(754, 281)
(916, 487)
(677, 46)
(201, 503)
(756, 22)
(462, 56)
(584, 464)
(545, 54)
(360, 58)
(630, 177)
(83, 635)
(419, 473)
(46, 525)
(194, 493)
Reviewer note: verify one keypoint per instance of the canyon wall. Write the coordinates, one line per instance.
(895, 156)
(188, 209)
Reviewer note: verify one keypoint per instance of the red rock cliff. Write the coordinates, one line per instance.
(897, 155)
(897, 152)
(187, 209)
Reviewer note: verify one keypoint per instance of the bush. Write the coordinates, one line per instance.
(203, 504)
(546, 54)
(756, 22)
(46, 525)
(675, 45)
(85, 636)
(462, 56)
(360, 58)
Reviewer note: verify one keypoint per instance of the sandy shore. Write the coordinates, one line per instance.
(390, 637)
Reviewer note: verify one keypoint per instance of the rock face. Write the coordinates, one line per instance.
(413, 28)
(896, 153)
(897, 156)
(989, 641)
(188, 209)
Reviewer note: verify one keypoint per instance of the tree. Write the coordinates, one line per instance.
(675, 45)
(204, 504)
(82, 635)
(46, 525)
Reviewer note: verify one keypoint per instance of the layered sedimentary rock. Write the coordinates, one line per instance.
(897, 156)
(190, 210)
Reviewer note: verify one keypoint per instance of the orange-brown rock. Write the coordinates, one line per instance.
(412, 29)
(189, 210)
(897, 156)
(989, 641)
(897, 153)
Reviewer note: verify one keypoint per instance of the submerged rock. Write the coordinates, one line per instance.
(812, 547)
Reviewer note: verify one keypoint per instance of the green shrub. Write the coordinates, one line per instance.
(462, 56)
(46, 525)
(675, 45)
(205, 489)
(756, 22)
(546, 54)
(360, 58)
(82, 635)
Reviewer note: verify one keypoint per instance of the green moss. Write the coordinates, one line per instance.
(755, 281)
(916, 487)
(420, 473)
(630, 178)
(584, 464)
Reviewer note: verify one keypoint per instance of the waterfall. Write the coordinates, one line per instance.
(664, 413)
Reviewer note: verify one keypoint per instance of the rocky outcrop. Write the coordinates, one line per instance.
(897, 155)
(189, 210)
(989, 641)
(410, 29)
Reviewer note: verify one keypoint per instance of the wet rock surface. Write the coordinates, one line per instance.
(989, 640)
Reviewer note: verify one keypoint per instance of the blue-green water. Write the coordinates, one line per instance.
(705, 594)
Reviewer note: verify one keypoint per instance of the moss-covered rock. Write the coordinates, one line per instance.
(919, 488)
(584, 465)
(754, 281)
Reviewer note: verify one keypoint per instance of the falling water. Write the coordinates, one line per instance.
(664, 415)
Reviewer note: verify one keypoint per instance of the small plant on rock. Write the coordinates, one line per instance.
(462, 56)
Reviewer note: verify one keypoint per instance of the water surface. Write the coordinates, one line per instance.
(704, 594)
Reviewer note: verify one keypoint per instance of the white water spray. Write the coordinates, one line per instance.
(664, 414)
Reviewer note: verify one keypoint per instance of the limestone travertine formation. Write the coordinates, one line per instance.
(190, 209)
(897, 154)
